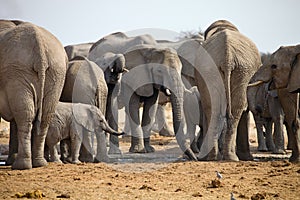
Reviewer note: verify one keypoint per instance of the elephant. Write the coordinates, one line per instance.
(185, 49)
(71, 121)
(266, 109)
(85, 83)
(78, 50)
(152, 69)
(237, 59)
(115, 44)
(283, 72)
(33, 65)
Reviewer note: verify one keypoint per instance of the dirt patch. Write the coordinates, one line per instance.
(164, 174)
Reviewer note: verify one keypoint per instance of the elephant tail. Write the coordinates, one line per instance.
(40, 66)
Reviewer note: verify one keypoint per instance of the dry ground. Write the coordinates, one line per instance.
(160, 175)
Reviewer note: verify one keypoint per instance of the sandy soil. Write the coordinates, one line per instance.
(160, 175)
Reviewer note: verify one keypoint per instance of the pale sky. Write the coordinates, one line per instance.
(268, 23)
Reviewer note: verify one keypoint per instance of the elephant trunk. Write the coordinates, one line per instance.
(105, 126)
(179, 123)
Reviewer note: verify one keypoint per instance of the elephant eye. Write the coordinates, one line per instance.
(273, 66)
(112, 70)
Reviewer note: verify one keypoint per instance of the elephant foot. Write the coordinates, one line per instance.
(114, 150)
(166, 132)
(190, 154)
(245, 156)
(148, 147)
(102, 159)
(39, 162)
(137, 149)
(75, 161)
(289, 146)
(88, 158)
(21, 164)
(194, 147)
(11, 159)
(262, 148)
(137, 145)
(294, 158)
(278, 151)
(231, 157)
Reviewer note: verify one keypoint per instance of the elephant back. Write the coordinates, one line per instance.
(233, 51)
(117, 43)
(219, 26)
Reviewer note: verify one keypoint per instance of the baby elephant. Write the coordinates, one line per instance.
(70, 121)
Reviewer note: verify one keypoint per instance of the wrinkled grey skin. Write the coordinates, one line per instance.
(193, 112)
(283, 71)
(78, 50)
(152, 69)
(71, 121)
(186, 51)
(237, 59)
(85, 83)
(266, 110)
(30, 59)
(114, 44)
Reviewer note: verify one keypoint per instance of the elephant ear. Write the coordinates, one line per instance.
(139, 78)
(294, 81)
(83, 116)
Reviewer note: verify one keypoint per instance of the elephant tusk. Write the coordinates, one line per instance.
(168, 92)
(125, 70)
(255, 83)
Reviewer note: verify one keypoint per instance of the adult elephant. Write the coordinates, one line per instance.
(33, 65)
(114, 44)
(284, 71)
(152, 69)
(74, 50)
(186, 51)
(85, 83)
(237, 59)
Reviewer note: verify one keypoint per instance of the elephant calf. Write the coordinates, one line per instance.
(70, 121)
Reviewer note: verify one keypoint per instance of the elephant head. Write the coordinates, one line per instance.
(91, 118)
(283, 69)
(153, 68)
(112, 65)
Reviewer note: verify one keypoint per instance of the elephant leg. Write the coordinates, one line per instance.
(112, 119)
(149, 112)
(269, 135)
(259, 122)
(295, 157)
(161, 121)
(243, 147)
(38, 145)
(24, 116)
(76, 139)
(23, 159)
(13, 143)
(54, 157)
(132, 110)
(86, 149)
(64, 150)
(191, 130)
(289, 135)
(101, 155)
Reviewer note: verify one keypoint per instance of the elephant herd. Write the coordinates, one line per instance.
(52, 94)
